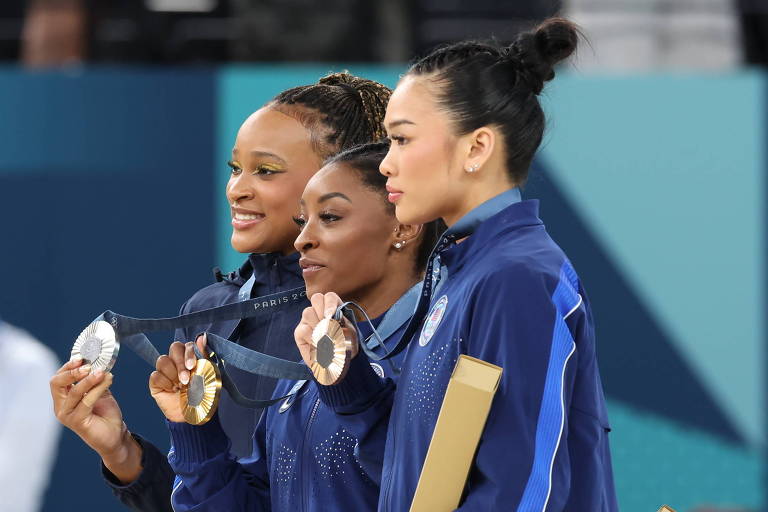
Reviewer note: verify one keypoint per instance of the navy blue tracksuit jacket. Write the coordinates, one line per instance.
(272, 335)
(303, 460)
(513, 299)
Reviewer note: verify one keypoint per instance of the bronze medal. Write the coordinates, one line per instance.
(330, 353)
(200, 398)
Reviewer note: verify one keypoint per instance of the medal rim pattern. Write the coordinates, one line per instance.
(110, 346)
(202, 413)
(342, 353)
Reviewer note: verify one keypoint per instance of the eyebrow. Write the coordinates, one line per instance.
(331, 195)
(266, 154)
(399, 122)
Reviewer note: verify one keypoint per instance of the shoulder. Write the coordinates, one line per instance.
(512, 272)
(521, 273)
(216, 294)
(223, 291)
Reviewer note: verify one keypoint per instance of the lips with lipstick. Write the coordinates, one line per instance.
(309, 267)
(394, 194)
(243, 219)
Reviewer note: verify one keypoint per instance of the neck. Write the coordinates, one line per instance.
(378, 299)
(477, 193)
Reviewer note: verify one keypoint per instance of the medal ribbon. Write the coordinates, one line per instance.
(131, 331)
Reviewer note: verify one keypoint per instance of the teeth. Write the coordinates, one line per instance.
(247, 216)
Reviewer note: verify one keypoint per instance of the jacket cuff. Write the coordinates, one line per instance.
(360, 384)
(198, 443)
(152, 462)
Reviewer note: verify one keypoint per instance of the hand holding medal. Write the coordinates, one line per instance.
(324, 339)
(185, 387)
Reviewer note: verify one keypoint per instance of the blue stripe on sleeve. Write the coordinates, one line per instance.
(176, 484)
(549, 428)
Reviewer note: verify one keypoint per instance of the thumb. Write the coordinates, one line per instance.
(202, 344)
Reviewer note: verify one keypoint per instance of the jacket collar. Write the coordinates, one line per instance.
(261, 264)
(511, 218)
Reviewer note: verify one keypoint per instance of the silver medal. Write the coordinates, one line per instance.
(97, 345)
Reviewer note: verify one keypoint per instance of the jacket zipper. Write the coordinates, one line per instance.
(386, 486)
(306, 456)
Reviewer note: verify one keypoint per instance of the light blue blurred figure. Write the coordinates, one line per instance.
(28, 431)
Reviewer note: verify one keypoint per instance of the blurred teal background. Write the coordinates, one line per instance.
(112, 197)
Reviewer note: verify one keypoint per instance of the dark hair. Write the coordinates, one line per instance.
(365, 160)
(485, 84)
(340, 111)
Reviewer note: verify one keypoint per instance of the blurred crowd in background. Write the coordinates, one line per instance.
(631, 34)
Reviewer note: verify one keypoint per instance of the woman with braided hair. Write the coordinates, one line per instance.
(303, 459)
(465, 123)
(277, 150)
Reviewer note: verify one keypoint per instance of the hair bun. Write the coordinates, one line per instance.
(537, 51)
(373, 97)
(338, 79)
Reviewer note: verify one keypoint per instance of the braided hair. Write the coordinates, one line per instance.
(364, 160)
(486, 84)
(340, 111)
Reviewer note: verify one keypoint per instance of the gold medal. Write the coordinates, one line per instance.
(330, 353)
(200, 398)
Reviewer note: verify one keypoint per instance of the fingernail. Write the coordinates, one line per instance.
(98, 373)
(190, 364)
(184, 377)
(85, 369)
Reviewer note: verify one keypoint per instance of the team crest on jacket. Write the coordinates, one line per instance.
(433, 320)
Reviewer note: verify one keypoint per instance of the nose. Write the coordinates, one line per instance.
(239, 189)
(386, 167)
(306, 239)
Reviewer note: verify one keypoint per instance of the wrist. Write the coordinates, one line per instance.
(124, 462)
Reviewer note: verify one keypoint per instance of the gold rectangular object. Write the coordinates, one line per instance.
(460, 423)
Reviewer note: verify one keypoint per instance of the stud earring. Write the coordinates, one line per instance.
(473, 168)
(400, 244)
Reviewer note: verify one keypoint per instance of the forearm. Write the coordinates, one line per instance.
(151, 489)
(124, 463)
(363, 402)
(209, 477)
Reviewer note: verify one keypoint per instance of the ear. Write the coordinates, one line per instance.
(480, 146)
(406, 234)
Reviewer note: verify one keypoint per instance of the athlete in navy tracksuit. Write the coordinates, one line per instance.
(303, 458)
(272, 273)
(513, 299)
(465, 122)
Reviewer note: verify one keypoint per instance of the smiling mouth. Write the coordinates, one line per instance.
(247, 216)
(246, 220)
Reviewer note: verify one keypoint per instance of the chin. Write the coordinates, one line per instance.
(241, 244)
(314, 285)
(407, 215)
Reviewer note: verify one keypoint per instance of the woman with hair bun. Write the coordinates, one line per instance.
(465, 122)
